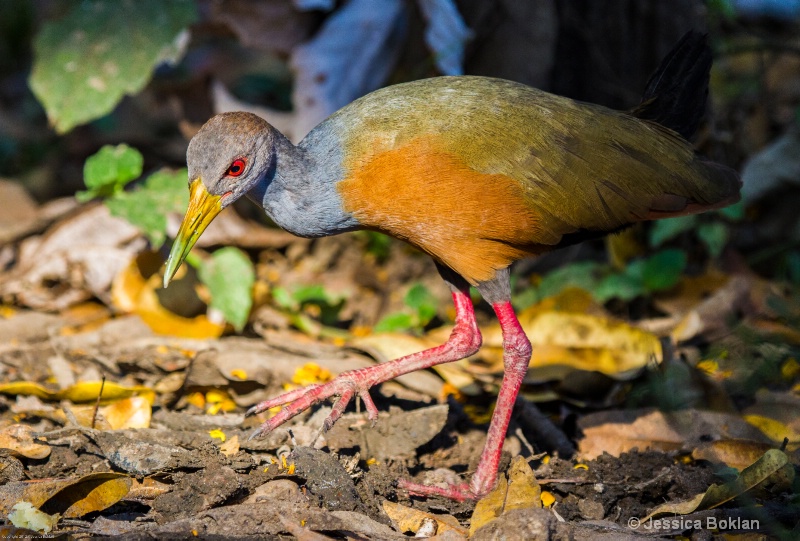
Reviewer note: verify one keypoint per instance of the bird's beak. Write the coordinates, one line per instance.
(203, 208)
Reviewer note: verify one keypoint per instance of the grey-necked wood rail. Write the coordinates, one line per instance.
(478, 173)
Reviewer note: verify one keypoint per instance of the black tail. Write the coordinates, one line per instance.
(675, 95)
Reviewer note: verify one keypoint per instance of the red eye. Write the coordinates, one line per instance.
(236, 168)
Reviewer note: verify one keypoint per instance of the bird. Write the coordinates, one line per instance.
(476, 172)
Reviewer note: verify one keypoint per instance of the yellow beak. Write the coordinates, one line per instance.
(203, 208)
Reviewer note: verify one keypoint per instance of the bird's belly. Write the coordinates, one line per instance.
(472, 222)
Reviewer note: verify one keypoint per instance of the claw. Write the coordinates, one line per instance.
(338, 409)
(372, 410)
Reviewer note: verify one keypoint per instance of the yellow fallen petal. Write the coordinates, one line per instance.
(547, 499)
(217, 434)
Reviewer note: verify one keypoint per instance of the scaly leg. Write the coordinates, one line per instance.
(516, 356)
(463, 342)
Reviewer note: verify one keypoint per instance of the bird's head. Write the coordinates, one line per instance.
(230, 154)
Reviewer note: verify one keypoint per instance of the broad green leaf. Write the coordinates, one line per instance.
(229, 276)
(663, 270)
(147, 207)
(582, 275)
(107, 171)
(733, 212)
(669, 228)
(100, 50)
(314, 293)
(715, 236)
(422, 302)
(624, 286)
(394, 323)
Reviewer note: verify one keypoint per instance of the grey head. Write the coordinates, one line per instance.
(231, 153)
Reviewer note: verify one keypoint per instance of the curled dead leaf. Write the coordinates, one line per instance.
(19, 440)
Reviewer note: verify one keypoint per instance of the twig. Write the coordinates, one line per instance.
(97, 404)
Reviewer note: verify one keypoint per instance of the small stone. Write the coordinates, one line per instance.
(591, 509)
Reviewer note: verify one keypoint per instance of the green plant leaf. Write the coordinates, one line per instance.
(396, 322)
(715, 236)
(108, 170)
(625, 286)
(422, 302)
(583, 275)
(100, 50)
(314, 293)
(147, 207)
(663, 270)
(669, 228)
(733, 212)
(229, 276)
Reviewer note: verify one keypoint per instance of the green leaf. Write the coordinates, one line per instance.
(229, 276)
(422, 302)
(312, 293)
(625, 286)
(734, 212)
(100, 50)
(582, 275)
(395, 323)
(715, 236)
(282, 298)
(107, 171)
(147, 207)
(663, 270)
(669, 228)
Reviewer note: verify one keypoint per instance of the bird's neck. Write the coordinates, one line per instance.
(299, 191)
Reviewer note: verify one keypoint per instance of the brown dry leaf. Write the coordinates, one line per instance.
(133, 412)
(93, 492)
(130, 292)
(19, 440)
(521, 491)
(733, 453)
(617, 432)
(406, 519)
(86, 391)
(147, 489)
(711, 316)
(82, 253)
(770, 463)
(230, 447)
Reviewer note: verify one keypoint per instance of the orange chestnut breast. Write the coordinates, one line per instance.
(472, 222)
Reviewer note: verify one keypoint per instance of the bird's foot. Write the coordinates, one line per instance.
(345, 386)
(459, 492)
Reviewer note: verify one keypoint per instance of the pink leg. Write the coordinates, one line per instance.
(463, 342)
(516, 356)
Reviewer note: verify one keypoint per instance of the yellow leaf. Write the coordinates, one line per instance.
(407, 519)
(86, 391)
(130, 292)
(239, 374)
(770, 462)
(70, 497)
(773, 429)
(217, 434)
(520, 491)
(133, 412)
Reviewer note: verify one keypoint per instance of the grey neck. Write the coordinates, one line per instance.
(298, 192)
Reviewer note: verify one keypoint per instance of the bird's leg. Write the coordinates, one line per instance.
(516, 356)
(463, 342)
